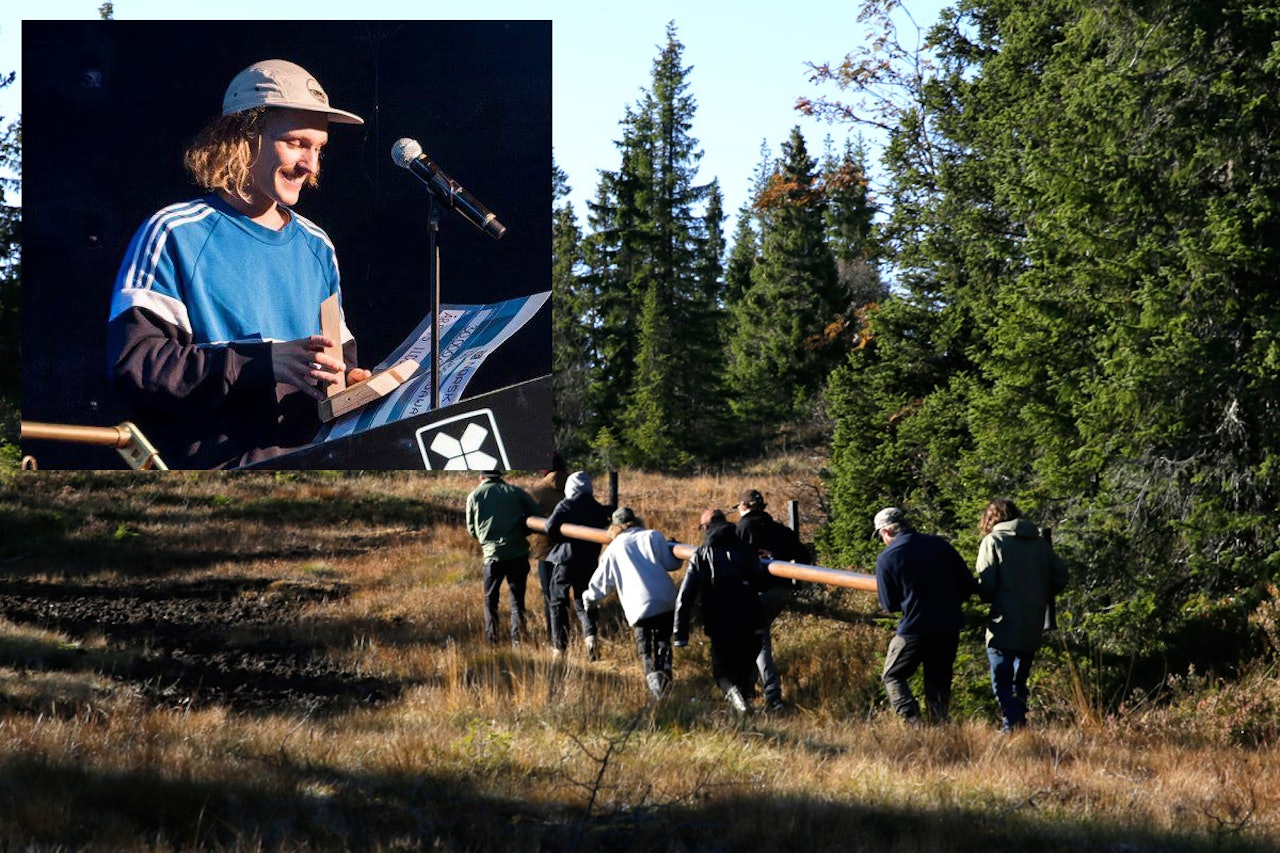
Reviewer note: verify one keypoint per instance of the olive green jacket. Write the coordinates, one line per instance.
(496, 511)
(1018, 574)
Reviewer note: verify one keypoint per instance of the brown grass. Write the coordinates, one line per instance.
(490, 747)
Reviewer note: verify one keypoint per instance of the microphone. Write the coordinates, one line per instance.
(409, 154)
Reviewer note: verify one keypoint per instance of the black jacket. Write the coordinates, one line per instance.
(726, 575)
(759, 530)
(582, 509)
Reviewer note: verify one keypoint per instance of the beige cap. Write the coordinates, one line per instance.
(280, 83)
(885, 517)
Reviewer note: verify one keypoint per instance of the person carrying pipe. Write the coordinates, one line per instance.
(573, 561)
(925, 578)
(726, 575)
(1018, 575)
(638, 565)
(496, 513)
(772, 540)
(547, 493)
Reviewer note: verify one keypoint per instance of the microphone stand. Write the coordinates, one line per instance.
(433, 294)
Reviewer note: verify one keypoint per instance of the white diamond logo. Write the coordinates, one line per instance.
(465, 454)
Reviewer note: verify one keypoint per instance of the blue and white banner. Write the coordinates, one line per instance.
(469, 334)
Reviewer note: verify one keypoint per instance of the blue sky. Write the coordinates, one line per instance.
(748, 59)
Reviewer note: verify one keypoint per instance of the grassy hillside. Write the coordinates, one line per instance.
(294, 661)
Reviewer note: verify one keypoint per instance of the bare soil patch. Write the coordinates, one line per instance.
(238, 642)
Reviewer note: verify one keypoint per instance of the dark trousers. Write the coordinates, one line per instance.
(567, 586)
(937, 655)
(653, 642)
(1009, 671)
(544, 581)
(733, 661)
(516, 573)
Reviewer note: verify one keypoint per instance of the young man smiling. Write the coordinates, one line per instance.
(212, 339)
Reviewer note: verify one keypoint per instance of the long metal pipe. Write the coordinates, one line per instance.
(778, 568)
(108, 436)
(126, 438)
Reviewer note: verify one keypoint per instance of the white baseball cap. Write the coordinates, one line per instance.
(280, 83)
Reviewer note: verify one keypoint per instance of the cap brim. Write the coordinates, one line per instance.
(335, 115)
(344, 117)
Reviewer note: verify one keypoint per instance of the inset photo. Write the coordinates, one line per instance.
(285, 245)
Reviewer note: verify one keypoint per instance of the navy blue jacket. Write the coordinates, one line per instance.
(926, 579)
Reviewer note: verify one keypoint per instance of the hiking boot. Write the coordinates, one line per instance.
(774, 706)
(658, 685)
(591, 648)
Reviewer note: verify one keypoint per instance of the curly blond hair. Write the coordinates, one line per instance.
(220, 156)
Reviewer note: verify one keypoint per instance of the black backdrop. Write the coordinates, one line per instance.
(109, 106)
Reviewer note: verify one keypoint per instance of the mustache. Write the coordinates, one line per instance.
(312, 179)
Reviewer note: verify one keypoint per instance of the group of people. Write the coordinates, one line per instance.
(736, 598)
(925, 579)
(919, 575)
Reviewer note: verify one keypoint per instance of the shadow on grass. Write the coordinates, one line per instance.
(284, 805)
(149, 531)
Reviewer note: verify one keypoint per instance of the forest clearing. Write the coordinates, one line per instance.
(296, 661)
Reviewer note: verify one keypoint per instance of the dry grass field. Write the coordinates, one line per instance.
(295, 662)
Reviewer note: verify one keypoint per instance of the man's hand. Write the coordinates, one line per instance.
(305, 365)
(358, 374)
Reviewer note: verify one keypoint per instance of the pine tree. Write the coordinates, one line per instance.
(10, 277)
(850, 218)
(745, 253)
(610, 253)
(743, 258)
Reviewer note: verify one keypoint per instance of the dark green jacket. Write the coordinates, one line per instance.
(496, 511)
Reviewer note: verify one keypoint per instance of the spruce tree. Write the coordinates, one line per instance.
(743, 258)
(652, 261)
(850, 218)
(778, 353)
(572, 320)
(10, 277)
(745, 253)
